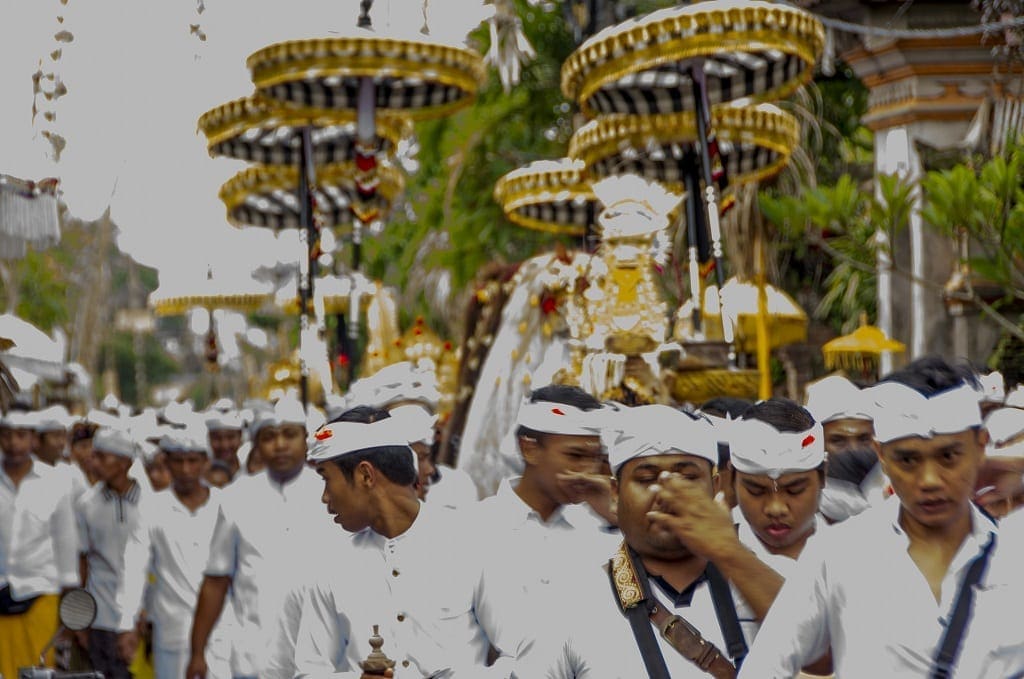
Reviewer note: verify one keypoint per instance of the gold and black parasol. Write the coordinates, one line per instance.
(747, 49)
(417, 79)
(267, 196)
(261, 131)
(754, 143)
(549, 196)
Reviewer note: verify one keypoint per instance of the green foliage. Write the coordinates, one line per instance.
(119, 353)
(844, 219)
(453, 221)
(43, 288)
(987, 205)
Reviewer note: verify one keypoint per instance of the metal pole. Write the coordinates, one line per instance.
(702, 114)
(692, 186)
(307, 240)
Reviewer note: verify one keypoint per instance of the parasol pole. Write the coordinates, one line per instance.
(764, 388)
(702, 115)
(307, 242)
(691, 185)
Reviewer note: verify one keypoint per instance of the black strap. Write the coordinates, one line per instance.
(725, 611)
(949, 647)
(640, 621)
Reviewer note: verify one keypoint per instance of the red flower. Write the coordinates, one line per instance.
(556, 411)
(807, 441)
(323, 434)
(548, 304)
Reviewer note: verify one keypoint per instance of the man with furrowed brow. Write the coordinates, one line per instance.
(682, 596)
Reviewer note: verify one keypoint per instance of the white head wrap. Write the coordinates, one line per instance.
(148, 451)
(650, 430)
(993, 388)
(116, 442)
(901, 411)
(1004, 425)
(416, 421)
(342, 438)
(558, 418)
(104, 419)
(223, 420)
(837, 398)
(397, 382)
(19, 419)
(179, 414)
(756, 447)
(1015, 399)
(54, 418)
(189, 440)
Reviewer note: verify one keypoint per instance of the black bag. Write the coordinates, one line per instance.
(9, 606)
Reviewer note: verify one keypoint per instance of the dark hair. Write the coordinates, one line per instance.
(220, 466)
(781, 413)
(394, 462)
(931, 375)
(558, 393)
(726, 406)
(362, 415)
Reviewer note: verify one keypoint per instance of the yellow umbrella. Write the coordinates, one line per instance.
(859, 351)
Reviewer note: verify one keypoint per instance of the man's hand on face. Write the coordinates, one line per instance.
(692, 515)
(594, 489)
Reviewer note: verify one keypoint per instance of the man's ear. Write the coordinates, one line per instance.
(365, 475)
(530, 449)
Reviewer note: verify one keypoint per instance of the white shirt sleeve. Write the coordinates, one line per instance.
(64, 531)
(320, 644)
(137, 566)
(80, 508)
(223, 559)
(504, 619)
(795, 632)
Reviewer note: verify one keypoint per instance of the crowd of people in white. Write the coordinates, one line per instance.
(870, 533)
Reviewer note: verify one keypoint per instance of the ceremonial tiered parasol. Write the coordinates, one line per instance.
(550, 196)
(860, 350)
(338, 294)
(675, 69)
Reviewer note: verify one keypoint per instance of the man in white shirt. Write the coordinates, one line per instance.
(541, 513)
(173, 543)
(882, 588)
(680, 560)
(107, 514)
(38, 546)
(266, 524)
(224, 431)
(51, 446)
(412, 568)
(855, 480)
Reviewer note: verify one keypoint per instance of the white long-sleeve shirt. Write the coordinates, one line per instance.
(857, 589)
(172, 543)
(38, 536)
(262, 529)
(426, 589)
(105, 520)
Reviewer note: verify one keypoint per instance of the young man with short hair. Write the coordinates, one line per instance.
(883, 589)
(433, 613)
(266, 523)
(173, 543)
(107, 514)
(38, 546)
(224, 432)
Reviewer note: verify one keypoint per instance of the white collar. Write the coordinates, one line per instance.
(521, 512)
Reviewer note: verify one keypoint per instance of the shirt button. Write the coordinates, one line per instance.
(401, 617)
(405, 663)
(395, 572)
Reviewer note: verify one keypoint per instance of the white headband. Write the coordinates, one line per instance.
(115, 442)
(901, 411)
(650, 430)
(342, 438)
(217, 420)
(415, 421)
(1004, 425)
(993, 387)
(837, 398)
(756, 447)
(558, 418)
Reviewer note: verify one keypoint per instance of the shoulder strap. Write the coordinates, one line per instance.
(949, 647)
(725, 611)
(626, 573)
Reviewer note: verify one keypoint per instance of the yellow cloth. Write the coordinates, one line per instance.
(23, 637)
